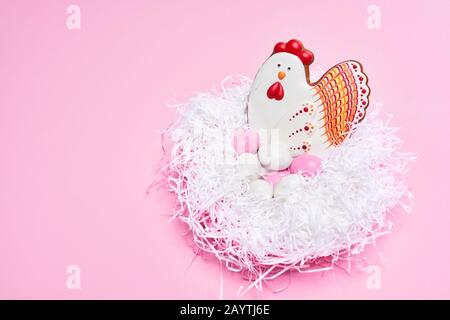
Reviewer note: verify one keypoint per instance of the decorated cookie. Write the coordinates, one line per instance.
(310, 117)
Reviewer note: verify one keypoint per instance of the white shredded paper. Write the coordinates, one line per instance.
(334, 214)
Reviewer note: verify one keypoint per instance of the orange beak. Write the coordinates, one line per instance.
(281, 75)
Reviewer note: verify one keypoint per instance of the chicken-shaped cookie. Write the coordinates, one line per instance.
(306, 117)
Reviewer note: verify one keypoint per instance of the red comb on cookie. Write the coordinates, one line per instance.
(295, 47)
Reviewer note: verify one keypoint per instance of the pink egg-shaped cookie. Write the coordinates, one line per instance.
(246, 141)
(274, 177)
(307, 165)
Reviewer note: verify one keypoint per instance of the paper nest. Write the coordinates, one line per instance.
(335, 214)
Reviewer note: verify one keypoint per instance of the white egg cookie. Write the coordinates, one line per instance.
(249, 166)
(275, 156)
(288, 184)
(261, 188)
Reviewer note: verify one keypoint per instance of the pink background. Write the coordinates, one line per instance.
(78, 115)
